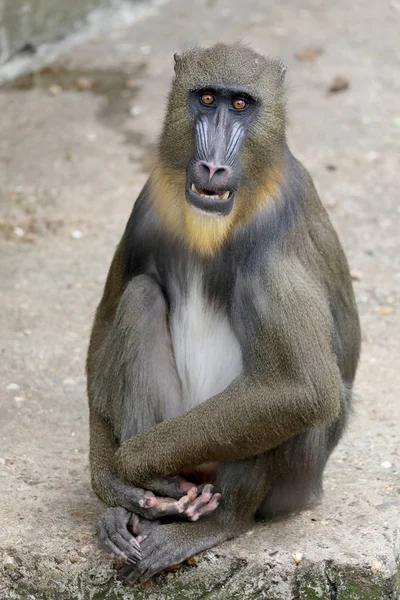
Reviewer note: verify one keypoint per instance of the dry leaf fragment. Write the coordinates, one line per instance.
(131, 84)
(339, 84)
(148, 585)
(385, 310)
(175, 567)
(308, 53)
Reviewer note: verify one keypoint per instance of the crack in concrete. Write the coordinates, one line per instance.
(332, 585)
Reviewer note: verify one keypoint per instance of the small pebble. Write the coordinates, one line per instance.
(18, 231)
(55, 90)
(372, 155)
(376, 566)
(386, 464)
(85, 83)
(145, 49)
(12, 387)
(69, 381)
(19, 398)
(135, 111)
(339, 84)
(356, 275)
(86, 550)
(76, 234)
(9, 563)
(2, 461)
(73, 557)
(297, 557)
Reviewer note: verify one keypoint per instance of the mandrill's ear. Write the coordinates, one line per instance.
(177, 59)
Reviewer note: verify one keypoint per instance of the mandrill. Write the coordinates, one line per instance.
(225, 345)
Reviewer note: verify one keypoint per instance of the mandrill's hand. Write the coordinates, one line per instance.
(166, 497)
(196, 503)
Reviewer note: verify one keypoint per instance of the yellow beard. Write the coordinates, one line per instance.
(203, 233)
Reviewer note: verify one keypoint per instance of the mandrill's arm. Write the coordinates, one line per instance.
(293, 385)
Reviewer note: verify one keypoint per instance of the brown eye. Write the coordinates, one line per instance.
(239, 103)
(207, 98)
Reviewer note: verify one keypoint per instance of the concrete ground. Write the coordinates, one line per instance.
(75, 148)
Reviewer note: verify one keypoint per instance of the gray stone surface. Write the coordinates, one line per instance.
(25, 24)
(71, 164)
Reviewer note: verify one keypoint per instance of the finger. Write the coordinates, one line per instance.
(134, 524)
(131, 549)
(116, 532)
(116, 550)
(164, 503)
(163, 507)
(206, 509)
(121, 522)
(200, 501)
(209, 487)
(185, 501)
(148, 500)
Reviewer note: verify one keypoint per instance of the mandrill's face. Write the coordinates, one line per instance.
(221, 117)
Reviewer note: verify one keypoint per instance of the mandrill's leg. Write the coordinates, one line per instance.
(134, 366)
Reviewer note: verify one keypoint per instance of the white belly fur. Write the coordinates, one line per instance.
(207, 353)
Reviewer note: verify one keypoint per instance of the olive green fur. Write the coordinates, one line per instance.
(273, 428)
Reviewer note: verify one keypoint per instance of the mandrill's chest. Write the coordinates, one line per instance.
(207, 352)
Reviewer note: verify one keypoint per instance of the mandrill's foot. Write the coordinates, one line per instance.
(116, 539)
(165, 545)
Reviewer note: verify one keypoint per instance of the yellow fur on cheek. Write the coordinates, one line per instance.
(203, 233)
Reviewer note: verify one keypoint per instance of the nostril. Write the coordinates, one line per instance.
(210, 170)
(205, 168)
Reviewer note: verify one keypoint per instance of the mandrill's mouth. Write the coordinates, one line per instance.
(212, 202)
(209, 194)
